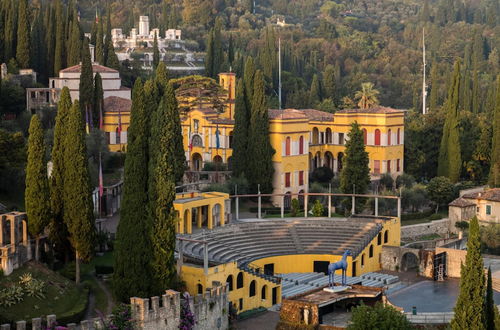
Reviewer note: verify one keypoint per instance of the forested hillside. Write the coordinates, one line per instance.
(329, 48)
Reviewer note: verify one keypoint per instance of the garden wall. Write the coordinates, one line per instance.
(439, 227)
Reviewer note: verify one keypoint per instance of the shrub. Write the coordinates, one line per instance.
(103, 269)
(386, 181)
(317, 209)
(322, 174)
(219, 187)
(462, 225)
(12, 295)
(405, 180)
(295, 207)
(32, 286)
(435, 216)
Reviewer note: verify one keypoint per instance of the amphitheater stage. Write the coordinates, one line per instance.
(310, 307)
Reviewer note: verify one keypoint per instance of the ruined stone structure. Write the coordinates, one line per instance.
(159, 313)
(15, 245)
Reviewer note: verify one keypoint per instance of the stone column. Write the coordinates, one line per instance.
(210, 220)
(12, 220)
(199, 215)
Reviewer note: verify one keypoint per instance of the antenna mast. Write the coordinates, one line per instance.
(424, 86)
(279, 72)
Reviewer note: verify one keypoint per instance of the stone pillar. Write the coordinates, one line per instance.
(259, 214)
(205, 258)
(25, 230)
(237, 207)
(199, 215)
(353, 208)
(282, 206)
(399, 208)
(180, 260)
(329, 206)
(21, 325)
(210, 220)
(51, 320)
(376, 206)
(305, 204)
(5, 326)
(36, 323)
(2, 219)
(12, 234)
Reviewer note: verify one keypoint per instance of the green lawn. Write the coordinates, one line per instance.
(62, 296)
(440, 215)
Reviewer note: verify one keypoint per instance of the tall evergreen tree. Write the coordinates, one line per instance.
(240, 135)
(248, 80)
(329, 84)
(167, 134)
(23, 36)
(112, 61)
(260, 150)
(494, 176)
(74, 44)
(490, 308)
(59, 54)
(38, 54)
(355, 173)
(86, 83)
(469, 306)
(58, 230)
(97, 101)
(50, 38)
(161, 78)
(37, 184)
(434, 95)
(11, 15)
(315, 92)
(108, 44)
(450, 162)
(133, 255)
(156, 53)
(78, 205)
(99, 44)
(209, 57)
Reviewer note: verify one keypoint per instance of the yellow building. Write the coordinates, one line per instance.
(303, 139)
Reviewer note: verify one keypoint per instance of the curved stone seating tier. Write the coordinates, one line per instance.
(246, 242)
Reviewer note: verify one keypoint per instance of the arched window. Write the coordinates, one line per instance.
(251, 292)
(315, 135)
(301, 145)
(200, 288)
(229, 281)
(231, 139)
(377, 137)
(379, 239)
(239, 280)
(263, 294)
(365, 136)
(328, 135)
(287, 146)
(399, 136)
(370, 253)
(197, 141)
(362, 260)
(389, 137)
(118, 137)
(386, 236)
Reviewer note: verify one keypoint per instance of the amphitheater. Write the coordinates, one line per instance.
(285, 256)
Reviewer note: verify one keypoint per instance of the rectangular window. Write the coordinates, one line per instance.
(388, 166)
(488, 209)
(287, 180)
(376, 166)
(477, 209)
(398, 166)
(341, 138)
(301, 178)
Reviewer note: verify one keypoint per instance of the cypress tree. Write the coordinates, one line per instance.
(78, 205)
(494, 176)
(467, 92)
(93, 32)
(166, 133)
(355, 173)
(434, 95)
(108, 44)
(450, 162)
(23, 36)
(133, 255)
(469, 306)
(37, 48)
(218, 54)
(10, 30)
(2, 35)
(161, 78)
(329, 84)
(315, 92)
(490, 308)
(50, 39)
(58, 230)
(37, 184)
(240, 137)
(97, 101)
(476, 102)
(75, 44)
(248, 79)
(156, 53)
(59, 55)
(151, 97)
(99, 44)
(260, 149)
(86, 83)
(112, 61)
(209, 57)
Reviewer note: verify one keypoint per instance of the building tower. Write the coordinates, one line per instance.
(143, 26)
(228, 82)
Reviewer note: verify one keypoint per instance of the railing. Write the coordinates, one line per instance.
(430, 318)
(258, 271)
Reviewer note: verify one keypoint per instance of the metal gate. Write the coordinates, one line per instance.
(440, 271)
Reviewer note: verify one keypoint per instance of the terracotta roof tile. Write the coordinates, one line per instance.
(461, 202)
(117, 104)
(377, 109)
(286, 114)
(489, 195)
(317, 115)
(95, 68)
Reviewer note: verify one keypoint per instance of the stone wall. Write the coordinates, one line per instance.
(439, 227)
(295, 312)
(159, 313)
(454, 258)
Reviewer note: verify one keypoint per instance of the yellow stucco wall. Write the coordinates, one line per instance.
(194, 275)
